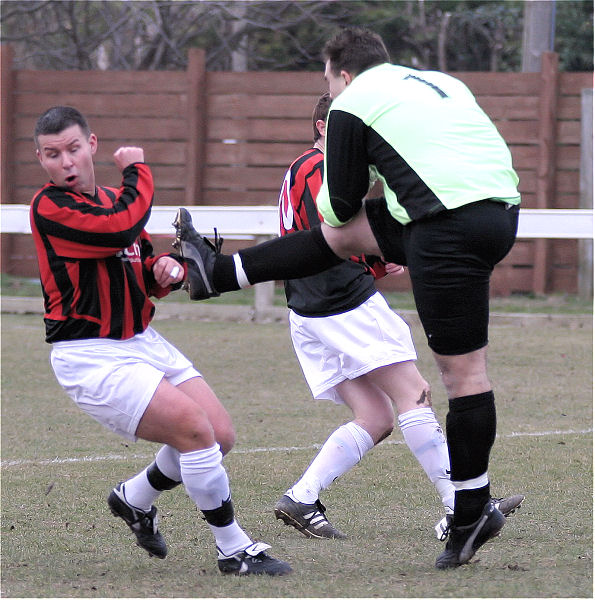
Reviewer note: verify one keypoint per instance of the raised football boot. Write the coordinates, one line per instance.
(142, 524)
(463, 542)
(307, 518)
(253, 560)
(507, 506)
(199, 255)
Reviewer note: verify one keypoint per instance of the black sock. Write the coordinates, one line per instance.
(224, 274)
(470, 433)
(295, 255)
(469, 504)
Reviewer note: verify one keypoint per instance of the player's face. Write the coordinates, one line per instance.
(67, 157)
(336, 83)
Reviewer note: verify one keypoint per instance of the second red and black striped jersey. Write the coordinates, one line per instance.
(95, 258)
(338, 289)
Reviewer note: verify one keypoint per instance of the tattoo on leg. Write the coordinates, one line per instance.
(425, 399)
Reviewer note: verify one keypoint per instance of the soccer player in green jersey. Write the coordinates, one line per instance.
(449, 213)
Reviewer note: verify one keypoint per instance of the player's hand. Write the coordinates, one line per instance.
(393, 269)
(127, 155)
(167, 271)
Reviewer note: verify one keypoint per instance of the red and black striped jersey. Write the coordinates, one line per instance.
(338, 289)
(95, 258)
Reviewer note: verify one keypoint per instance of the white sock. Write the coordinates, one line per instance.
(168, 462)
(206, 482)
(344, 448)
(230, 539)
(139, 492)
(426, 441)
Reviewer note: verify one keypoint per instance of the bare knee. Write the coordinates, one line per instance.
(195, 434)
(226, 438)
(464, 374)
(185, 430)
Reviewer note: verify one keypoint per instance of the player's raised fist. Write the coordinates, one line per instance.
(126, 155)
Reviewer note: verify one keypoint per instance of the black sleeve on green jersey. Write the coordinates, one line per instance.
(347, 171)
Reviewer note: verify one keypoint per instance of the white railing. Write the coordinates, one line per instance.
(262, 222)
(247, 222)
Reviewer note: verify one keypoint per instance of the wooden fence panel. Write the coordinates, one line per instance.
(225, 138)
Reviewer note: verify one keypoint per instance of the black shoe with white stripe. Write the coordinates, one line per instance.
(507, 506)
(253, 560)
(463, 542)
(307, 518)
(142, 524)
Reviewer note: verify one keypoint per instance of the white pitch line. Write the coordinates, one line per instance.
(115, 457)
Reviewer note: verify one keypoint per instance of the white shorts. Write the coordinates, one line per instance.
(348, 345)
(113, 381)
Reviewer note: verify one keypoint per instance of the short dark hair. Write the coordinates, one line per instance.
(59, 118)
(355, 49)
(320, 112)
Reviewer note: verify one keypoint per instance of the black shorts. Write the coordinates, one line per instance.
(450, 257)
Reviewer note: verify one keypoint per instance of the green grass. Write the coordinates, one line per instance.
(516, 303)
(59, 539)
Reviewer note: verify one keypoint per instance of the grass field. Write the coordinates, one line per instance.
(60, 540)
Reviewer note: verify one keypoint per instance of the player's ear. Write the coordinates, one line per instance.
(321, 127)
(93, 143)
(346, 77)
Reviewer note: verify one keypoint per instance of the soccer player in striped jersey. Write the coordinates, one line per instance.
(449, 212)
(97, 271)
(353, 349)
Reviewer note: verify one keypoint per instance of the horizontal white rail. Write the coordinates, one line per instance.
(250, 221)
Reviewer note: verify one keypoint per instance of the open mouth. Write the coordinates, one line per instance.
(70, 179)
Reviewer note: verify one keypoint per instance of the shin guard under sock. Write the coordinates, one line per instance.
(471, 431)
(206, 482)
(423, 435)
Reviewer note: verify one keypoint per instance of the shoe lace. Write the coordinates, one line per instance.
(320, 506)
(146, 521)
(446, 531)
(216, 243)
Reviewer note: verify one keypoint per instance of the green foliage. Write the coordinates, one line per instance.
(455, 35)
(574, 35)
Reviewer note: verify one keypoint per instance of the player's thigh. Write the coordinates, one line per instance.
(201, 393)
(172, 417)
(451, 258)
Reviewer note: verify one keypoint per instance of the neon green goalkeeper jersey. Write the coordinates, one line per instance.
(423, 135)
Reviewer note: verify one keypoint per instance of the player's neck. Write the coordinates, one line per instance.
(319, 144)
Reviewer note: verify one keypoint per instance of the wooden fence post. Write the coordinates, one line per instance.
(546, 166)
(585, 247)
(6, 144)
(6, 107)
(197, 109)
